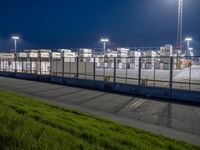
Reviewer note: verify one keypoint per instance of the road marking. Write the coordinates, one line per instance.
(137, 103)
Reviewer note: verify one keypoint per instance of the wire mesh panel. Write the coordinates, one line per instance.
(147, 71)
(74, 68)
(56, 67)
(194, 84)
(181, 72)
(8, 64)
(1, 68)
(89, 68)
(24, 65)
(132, 70)
(19, 64)
(45, 66)
(82, 67)
(161, 72)
(100, 66)
(67, 66)
(121, 70)
(109, 69)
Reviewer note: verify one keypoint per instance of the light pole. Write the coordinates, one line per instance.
(104, 41)
(188, 40)
(15, 38)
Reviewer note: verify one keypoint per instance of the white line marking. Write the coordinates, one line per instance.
(137, 103)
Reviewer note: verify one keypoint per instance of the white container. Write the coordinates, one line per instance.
(7, 55)
(124, 65)
(85, 51)
(111, 65)
(56, 55)
(148, 66)
(68, 54)
(133, 65)
(135, 54)
(151, 54)
(64, 50)
(98, 65)
(119, 65)
(85, 55)
(166, 66)
(69, 59)
(106, 65)
(22, 55)
(33, 55)
(122, 50)
(44, 55)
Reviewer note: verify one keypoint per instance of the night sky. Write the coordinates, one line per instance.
(81, 23)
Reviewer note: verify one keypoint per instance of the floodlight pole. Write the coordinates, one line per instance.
(15, 41)
(15, 38)
(188, 40)
(104, 47)
(104, 41)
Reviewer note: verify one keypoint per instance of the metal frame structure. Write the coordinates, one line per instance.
(180, 24)
(133, 81)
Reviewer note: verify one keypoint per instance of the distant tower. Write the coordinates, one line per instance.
(180, 24)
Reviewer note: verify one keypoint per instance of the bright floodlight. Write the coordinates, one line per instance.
(188, 39)
(104, 40)
(15, 37)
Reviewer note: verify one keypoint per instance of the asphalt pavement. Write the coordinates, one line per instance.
(178, 121)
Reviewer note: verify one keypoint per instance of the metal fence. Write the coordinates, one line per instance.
(163, 72)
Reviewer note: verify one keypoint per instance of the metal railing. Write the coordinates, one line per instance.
(181, 73)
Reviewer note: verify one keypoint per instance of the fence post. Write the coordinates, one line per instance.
(190, 75)
(40, 65)
(15, 59)
(154, 72)
(94, 69)
(114, 75)
(70, 68)
(171, 77)
(139, 74)
(77, 67)
(22, 59)
(30, 66)
(63, 66)
(50, 55)
(126, 70)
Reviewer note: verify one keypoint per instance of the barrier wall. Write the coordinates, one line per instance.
(174, 94)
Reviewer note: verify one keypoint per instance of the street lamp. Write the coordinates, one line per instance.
(188, 40)
(15, 38)
(104, 41)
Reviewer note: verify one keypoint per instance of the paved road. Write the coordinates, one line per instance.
(177, 121)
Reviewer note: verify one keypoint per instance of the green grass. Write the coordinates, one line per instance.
(27, 124)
